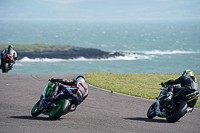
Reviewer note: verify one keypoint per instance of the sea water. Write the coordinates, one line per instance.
(149, 46)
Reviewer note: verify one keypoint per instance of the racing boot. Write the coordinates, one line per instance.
(59, 94)
(10, 66)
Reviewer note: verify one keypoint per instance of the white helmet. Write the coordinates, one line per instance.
(81, 79)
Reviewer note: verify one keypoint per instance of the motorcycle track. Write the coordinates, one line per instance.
(102, 111)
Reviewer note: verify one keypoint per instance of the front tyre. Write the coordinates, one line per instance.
(179, 111)
(151, 113)
(59, 109)
(4, 67)
(35, 111)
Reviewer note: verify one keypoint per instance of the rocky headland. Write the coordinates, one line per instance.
(61, 51)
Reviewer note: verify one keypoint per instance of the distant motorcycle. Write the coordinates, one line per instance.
(177, 109)
(55, 108)
(7, 63)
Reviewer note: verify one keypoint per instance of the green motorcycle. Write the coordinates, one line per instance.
(55, 108)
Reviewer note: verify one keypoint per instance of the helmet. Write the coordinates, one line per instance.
(188, 72)
(81, 79)
(10, 46)
(80, 76)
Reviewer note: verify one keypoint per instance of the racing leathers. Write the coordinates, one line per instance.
(188, 83)
(77, 92)
(11, 52)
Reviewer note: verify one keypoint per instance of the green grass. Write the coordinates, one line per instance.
(30, 47)
(36, 47)
(141, 85)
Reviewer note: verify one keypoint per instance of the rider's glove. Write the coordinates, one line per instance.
(52, 80)
(163, 84)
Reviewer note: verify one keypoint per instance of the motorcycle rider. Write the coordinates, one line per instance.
(77, 92)
(11, 52)
(188, 83)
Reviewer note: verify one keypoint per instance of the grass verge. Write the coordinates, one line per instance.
(141, 85)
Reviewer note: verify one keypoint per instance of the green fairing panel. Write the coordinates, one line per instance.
(49, 88)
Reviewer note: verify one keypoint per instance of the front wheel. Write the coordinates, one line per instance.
(59, 109)
(35, 111)
(4, 67)
(151, 113)
(179, 111)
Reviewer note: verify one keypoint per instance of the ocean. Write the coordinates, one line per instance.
(162, 46)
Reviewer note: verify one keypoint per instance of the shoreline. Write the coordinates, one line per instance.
(33, 51)
(73, 53)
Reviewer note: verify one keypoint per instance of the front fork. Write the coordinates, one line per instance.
(160, 112)
(41, 102)
(157, 107)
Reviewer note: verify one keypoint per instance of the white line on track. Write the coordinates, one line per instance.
(125, 94)
(120, 93)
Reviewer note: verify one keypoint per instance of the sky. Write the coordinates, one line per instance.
(99, 9)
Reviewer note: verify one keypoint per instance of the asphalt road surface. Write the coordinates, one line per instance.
(101, 112)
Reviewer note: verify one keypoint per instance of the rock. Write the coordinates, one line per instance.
(71, 53)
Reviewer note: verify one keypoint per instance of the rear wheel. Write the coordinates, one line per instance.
(179, 111)
(151, 112)
(59, 109)
(35, 111)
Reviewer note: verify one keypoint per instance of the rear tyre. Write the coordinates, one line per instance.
(59, 109)
(35, 111)
(179, 111)
(151, 112)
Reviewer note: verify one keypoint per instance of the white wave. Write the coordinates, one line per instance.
(26, 59)
(131, 57)
(127, 57)
(158, 52)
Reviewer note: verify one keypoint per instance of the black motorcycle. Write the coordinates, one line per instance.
(174, 110)
(7, 63)
(55, 108)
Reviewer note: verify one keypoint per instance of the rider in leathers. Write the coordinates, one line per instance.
(9, 51)
(77, 92)
(188, 82)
